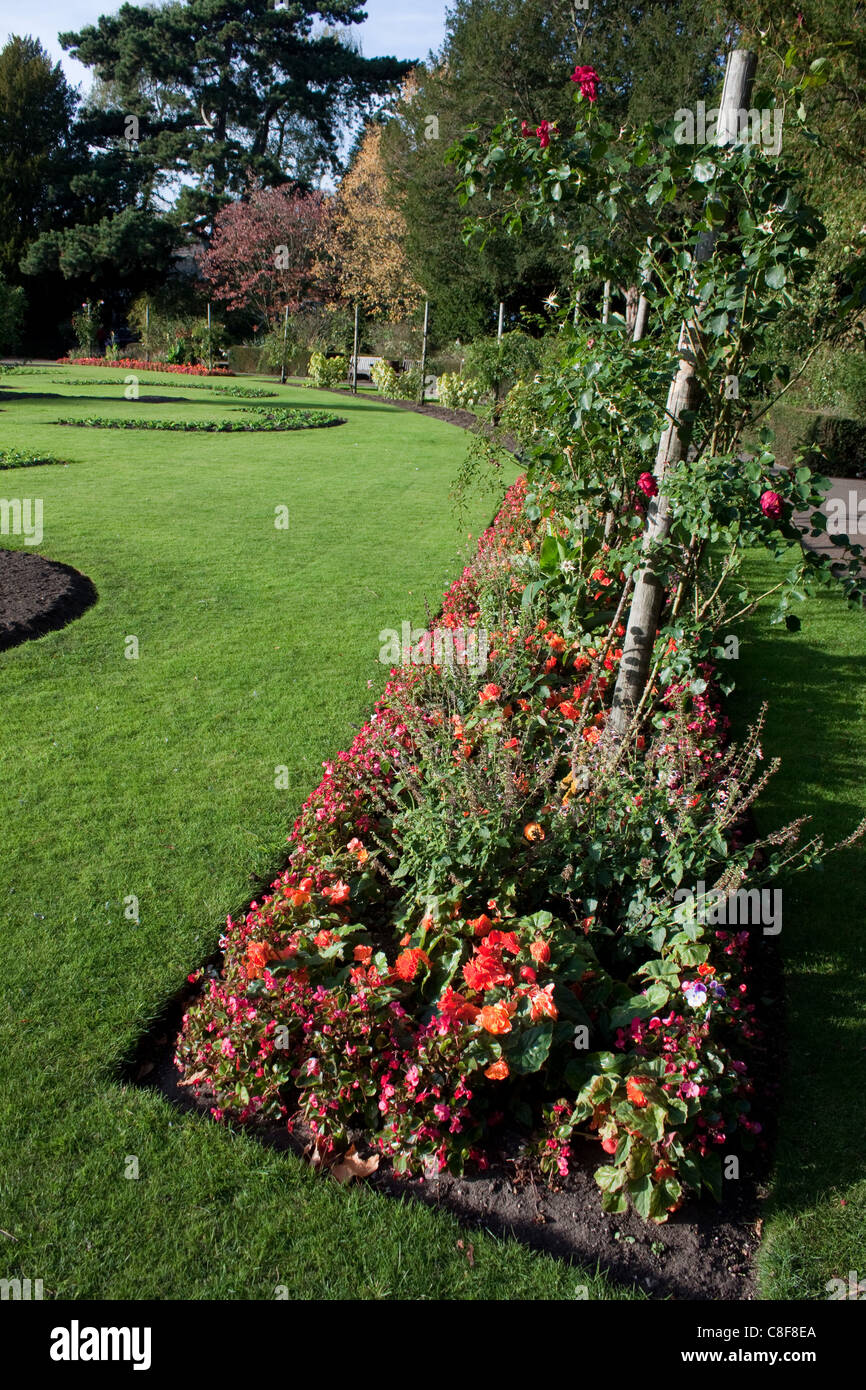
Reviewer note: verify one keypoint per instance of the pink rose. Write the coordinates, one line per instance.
(648, 485)
(771, 505)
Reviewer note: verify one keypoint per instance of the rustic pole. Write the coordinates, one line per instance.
(285, 345)
(640, 319)
(673, 446)
(501, 320)
(147, 332)
(209, 341)
(631, 303)
(605, 310)
(424, 348)
(355, 357)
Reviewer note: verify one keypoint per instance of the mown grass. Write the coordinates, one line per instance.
(155, 778)
(815, 1227)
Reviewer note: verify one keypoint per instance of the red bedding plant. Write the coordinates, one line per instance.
(138, 364)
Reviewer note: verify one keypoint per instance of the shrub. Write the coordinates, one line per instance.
(394, 385)
(327, 372)
(457, 392)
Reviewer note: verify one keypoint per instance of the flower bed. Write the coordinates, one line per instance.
(477, 923)
(140, 365)
(243, 392)
(20, 458)
(265, 418)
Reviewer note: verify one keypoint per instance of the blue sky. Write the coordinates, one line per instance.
(401, 28)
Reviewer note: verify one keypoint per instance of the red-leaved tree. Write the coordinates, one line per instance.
(264, 251)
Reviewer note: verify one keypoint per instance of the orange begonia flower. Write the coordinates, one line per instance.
(497, 1071)
(493, 1018)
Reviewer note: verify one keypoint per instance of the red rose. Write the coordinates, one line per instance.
(771, 505)
(588, 80)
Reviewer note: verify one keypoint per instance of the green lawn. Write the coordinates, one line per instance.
(155, 777)
(815, 1227)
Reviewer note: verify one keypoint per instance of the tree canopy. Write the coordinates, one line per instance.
(226, 89)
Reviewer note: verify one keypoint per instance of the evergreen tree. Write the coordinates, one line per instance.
(36, 110)
(227, 89)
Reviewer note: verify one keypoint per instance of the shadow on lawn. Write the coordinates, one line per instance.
(814, 698)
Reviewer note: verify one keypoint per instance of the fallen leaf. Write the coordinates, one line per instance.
(351, 1165)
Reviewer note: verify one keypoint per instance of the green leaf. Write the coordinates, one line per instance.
(610, 1178)
(775, 276)
(529, 1052)
(641, 1191)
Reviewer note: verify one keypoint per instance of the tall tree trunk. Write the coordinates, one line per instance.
(649, 594)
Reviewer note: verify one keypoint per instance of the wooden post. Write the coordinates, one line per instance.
(147, 332)
(631, 303)
(643, 619)
(501, 320)
(424, 348)
(605, 309)
(209, 342)
(640, 319)
(355, 357)
(285, 346)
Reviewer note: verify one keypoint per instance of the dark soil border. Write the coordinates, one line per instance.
(38, 595)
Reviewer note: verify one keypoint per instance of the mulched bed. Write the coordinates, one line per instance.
(38, 596)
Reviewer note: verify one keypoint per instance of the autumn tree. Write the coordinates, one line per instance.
(366, 238)
(264, 250)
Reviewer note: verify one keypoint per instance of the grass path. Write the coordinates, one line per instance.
(815, 681)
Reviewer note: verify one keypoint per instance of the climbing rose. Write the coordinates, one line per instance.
(771, 505)
(588, 80)
(648, 485)
(543, 135)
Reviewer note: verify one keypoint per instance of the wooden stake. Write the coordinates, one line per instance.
(355, 357)
(673, 446)
(424, 348)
